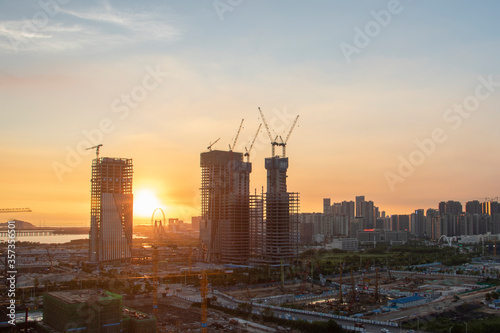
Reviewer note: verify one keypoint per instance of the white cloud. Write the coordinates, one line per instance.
(103, 26)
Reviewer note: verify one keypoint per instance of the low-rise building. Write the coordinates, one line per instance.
(347, 244)
(406, 302)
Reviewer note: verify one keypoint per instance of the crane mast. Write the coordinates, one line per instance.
(96, 150)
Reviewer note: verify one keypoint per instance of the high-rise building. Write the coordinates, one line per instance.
(348, 209)
(450, 207)
(418, 223)
(473, 207)
(326, 206)
(225, 206)
(111, 209)
(400, 222)
(368, 212)
(281, 220)
(490, 207)
(359, 200)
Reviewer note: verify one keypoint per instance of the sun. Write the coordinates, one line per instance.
(145, 202)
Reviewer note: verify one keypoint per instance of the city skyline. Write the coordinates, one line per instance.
(390, 108)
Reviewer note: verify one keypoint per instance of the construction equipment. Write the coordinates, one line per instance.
(247, 151)
(96, 150)
(236, 137)
(283, 143)
(340, 286)
(203, 286)
(155, 284)
(50, 259)
(209, 148)
(353, 300)
(273, 141)
(15, 210)
(204, 307)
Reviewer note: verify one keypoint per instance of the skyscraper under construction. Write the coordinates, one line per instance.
(225, 206)
(280, 230)
(240, 228)
(111, 210)
(278, 236)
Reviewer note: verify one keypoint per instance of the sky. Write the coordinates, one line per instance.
(397, 100)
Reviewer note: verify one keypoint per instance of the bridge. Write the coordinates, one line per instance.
(4, 232)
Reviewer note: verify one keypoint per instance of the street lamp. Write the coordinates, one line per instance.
(449, 331)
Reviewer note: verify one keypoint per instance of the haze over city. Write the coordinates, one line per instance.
(397, 99)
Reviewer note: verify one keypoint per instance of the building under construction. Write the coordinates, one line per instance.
(278, 235)
(111, 211)
(225, 206)
(92, 311)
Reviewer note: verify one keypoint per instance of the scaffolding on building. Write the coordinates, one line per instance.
(86, 311)
(225, 222)
(110, 176)
(277, 232)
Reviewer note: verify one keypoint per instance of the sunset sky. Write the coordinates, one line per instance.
(398, 100)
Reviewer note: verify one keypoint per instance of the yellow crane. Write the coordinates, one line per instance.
(203, 288)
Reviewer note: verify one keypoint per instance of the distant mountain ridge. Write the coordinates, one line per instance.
(19, 225)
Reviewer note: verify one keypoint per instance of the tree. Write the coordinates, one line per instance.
(267, 312)
(245, 307)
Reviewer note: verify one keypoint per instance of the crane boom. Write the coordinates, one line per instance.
(237, 135)
(15, 210)
(265, 124)
(96, 149)
(247, 151)
(291, 129)
(283, 142)
(273, 141)
(210, 146)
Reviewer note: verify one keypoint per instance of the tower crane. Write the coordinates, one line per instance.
(50, 259)
(210, 146)
(247, 151)
(237, 135)
(96, 150)
(273, 141)
(283, 143)
(15, 210)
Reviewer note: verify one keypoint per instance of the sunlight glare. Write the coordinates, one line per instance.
(145, 202)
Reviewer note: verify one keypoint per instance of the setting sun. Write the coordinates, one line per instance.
(145, 202)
